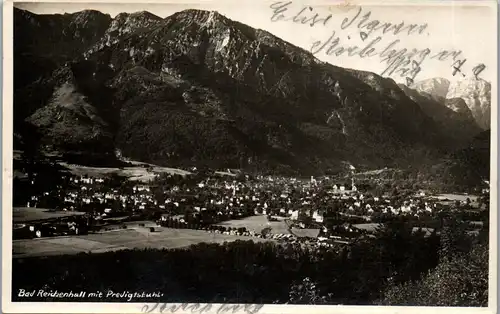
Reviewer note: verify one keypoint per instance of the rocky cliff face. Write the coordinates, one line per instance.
(435, 87)
(476, 94)
(199, 88)
(123, 25)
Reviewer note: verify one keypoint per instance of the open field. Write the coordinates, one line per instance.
(257, 223)
(139, 237)
(376, 172)
(458, 197)
(136, 173)
(310, 233)
(370, 227)
(26, 214)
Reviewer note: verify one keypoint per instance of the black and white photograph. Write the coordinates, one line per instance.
(226, 157)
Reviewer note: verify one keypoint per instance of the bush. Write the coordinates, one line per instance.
(306, 292)
(460, 281)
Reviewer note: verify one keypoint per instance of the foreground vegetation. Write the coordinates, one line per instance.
(398, 267)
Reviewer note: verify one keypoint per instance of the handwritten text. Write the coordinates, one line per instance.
(398, 61)
(203, 308)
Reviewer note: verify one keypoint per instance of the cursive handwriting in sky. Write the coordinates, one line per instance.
(197, 308)
(399, 48)
(404, 42)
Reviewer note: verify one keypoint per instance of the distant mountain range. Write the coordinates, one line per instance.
(199, 88)
(475, 92)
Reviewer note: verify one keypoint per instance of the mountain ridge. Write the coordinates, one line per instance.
(198, 87)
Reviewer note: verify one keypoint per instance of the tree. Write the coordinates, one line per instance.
(31, 146)
(404, 255)
(306, 292)
(305, 218)
(115, 180)
(459, 281)
(454, 239)
(266, 231)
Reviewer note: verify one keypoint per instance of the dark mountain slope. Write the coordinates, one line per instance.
(468, 167)
(290, 86)
(78, 114)
(451, 115)
(43, 42)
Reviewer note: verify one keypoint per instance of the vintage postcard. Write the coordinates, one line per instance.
(249, 157)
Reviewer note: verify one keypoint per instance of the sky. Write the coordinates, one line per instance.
(462, 36)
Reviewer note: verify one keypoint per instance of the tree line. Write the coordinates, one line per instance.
(397, 267)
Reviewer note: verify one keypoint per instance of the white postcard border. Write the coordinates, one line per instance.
(66, 307)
